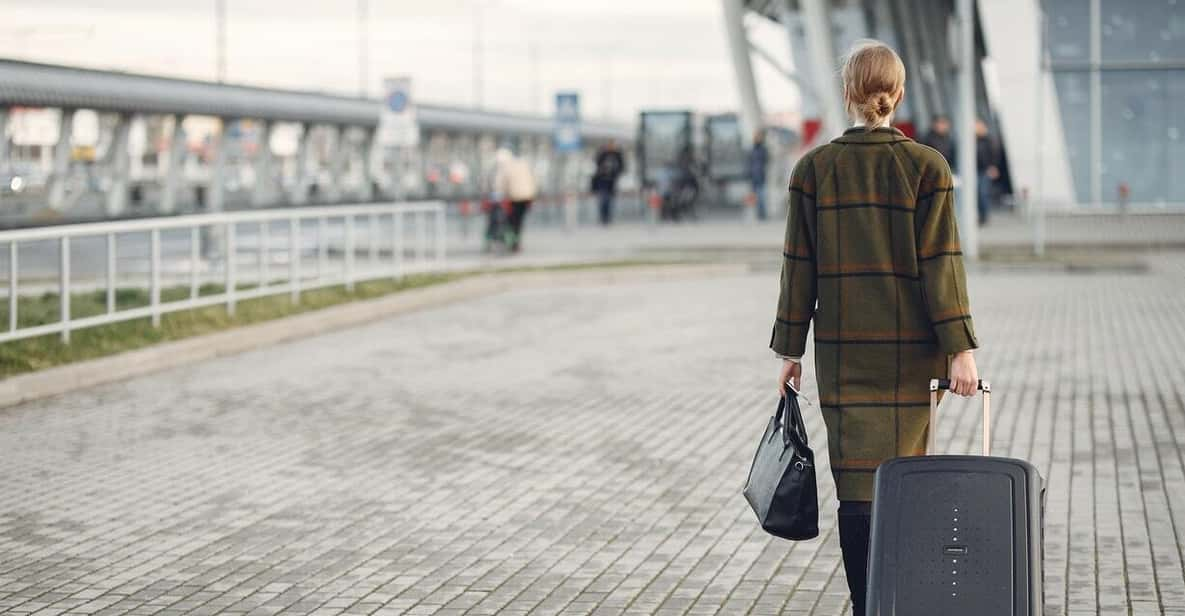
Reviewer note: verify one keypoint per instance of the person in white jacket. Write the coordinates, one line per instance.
(514, 182)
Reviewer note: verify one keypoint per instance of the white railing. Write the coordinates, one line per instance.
(311, 232)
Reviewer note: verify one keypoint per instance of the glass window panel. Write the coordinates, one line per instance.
(1142, 30)
(1142, 126)
(1068, 30)
(1073, 97)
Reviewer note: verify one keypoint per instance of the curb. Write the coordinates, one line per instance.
(79, 375)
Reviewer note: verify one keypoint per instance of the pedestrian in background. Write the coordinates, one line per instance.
(987, 163)
(610, 165)
(758, 161)
(939, 138)
(871, 255)
(514, 182)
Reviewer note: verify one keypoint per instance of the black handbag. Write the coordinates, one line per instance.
(781, 486)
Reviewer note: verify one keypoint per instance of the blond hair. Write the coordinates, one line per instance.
(873, 77)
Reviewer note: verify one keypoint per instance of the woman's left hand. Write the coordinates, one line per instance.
(791, 370)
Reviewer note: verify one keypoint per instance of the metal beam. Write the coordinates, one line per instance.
(1096, 105)
(904, 24)
(817, 19)
(742, 67)
(790, 75)
(969, 227)
(28, 84)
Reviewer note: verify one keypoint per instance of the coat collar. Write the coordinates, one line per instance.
(883, 134)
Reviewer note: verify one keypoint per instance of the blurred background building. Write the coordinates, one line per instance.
(1082, 97)
(1082, 94)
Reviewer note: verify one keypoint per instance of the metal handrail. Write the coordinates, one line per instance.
(297, 277)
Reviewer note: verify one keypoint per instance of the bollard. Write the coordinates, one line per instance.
(749, 216)
(654, 200)
(571, 211)
(464, 207)
(1125, 193)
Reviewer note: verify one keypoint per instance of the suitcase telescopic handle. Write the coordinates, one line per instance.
(940, 384)
(945, 384)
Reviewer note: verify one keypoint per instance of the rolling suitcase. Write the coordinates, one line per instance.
(956, 534)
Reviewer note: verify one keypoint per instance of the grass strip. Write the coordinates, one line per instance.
(42, 352)
(31, 354)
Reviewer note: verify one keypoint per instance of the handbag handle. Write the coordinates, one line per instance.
(791, 423)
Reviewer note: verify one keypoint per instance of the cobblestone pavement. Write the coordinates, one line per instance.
(570, 451)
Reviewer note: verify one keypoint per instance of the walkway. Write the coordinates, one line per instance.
(569, 451)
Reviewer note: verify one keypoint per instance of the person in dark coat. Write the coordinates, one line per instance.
(939, 138)
(871, 256)
(987, 164)
(610, 165)
(757, 163)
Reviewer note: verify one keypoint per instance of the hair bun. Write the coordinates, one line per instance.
(884, 104)
(876, 108)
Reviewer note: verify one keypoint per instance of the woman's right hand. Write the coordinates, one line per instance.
(964, 376)
(791, 371)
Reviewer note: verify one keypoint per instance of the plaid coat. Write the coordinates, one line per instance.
(872, 256)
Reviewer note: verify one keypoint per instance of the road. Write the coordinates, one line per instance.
(574, 450)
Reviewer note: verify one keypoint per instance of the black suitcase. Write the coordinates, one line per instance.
(956, 534)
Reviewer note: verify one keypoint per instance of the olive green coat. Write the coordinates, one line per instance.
(871, 237)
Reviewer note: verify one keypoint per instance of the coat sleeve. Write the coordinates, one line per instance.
(796, 301)
(940, 264)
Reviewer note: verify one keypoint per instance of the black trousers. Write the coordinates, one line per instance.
(605, 200)
(518, 211)
(855, 529)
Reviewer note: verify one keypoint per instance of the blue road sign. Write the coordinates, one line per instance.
(567, 121)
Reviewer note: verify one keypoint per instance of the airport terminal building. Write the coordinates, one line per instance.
(1085, 95)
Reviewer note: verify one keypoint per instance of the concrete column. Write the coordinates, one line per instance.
(1096, 105)
(300, 189)
(965, 129)
(339, 159)
(215, 198)
(61, 160)
(816, 16)
(174, 174)
(742, 67)
(371, 159)
(262, 193)
(118, 158)
(3, 136)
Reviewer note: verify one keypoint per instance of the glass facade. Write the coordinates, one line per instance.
(1142, 146)
(1129, 92)
(1073, 90)
(1142, 30)
(1068, 30)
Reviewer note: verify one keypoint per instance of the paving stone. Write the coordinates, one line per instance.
(569, 451)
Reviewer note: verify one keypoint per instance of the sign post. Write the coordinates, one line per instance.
(567, 142)
(567, 121)
(398, 131)
(397, 123)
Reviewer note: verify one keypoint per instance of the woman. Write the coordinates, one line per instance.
(514, 182)
(871, 236)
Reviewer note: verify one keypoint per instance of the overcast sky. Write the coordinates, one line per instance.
(622, 55)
